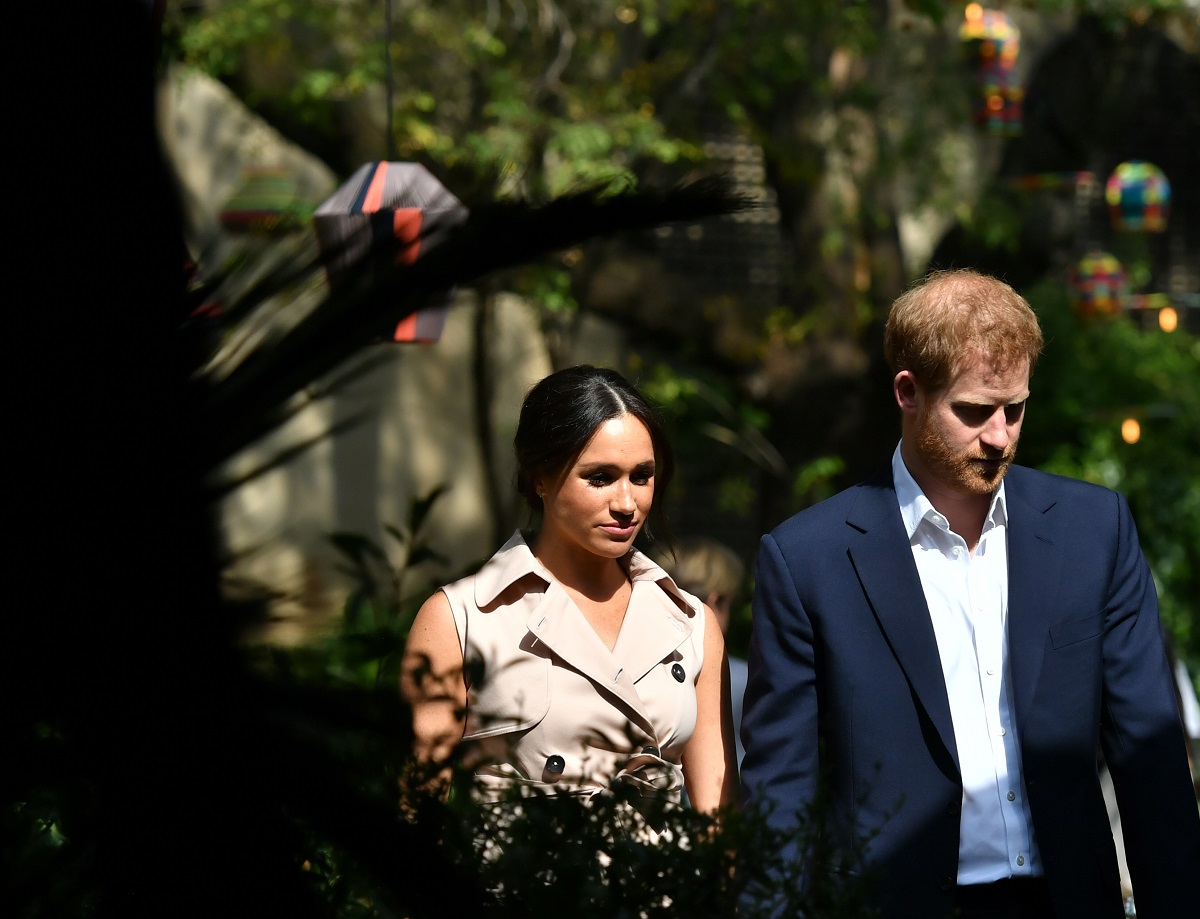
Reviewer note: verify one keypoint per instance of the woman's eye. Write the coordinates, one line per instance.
(597, 479)
(641, 478)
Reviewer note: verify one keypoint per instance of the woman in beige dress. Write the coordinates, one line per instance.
(571, 663)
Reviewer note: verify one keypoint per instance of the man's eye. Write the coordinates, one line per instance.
(1013, 413)
(974, 414)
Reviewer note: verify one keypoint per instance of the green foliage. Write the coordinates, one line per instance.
(618, 854)
(720, 433)
(547, 285)
(366, 648)
(540, 99)
(337, 44)
(995, 221)
(815, 480)
(1095, 374)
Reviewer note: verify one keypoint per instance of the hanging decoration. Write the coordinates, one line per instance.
(992, 43)
(1099, 285)
(1139, 197)
(399, 209)
(267, 201)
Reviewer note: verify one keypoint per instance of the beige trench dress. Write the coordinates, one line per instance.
(550, 708)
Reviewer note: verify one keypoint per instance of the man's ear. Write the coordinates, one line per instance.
(906, 390)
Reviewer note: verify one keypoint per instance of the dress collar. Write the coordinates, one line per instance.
(516, 560)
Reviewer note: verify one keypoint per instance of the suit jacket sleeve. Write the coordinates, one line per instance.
(1143, 740)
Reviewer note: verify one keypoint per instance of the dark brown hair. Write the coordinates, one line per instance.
(562, 412)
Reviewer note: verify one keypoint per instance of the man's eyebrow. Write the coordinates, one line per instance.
(968, 400)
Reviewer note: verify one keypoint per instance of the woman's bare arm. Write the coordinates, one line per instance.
(709, 760)
(432, 682)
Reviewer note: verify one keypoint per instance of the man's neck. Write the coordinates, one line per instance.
(964, 512)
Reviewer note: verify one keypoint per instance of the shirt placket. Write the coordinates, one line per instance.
(987, 609)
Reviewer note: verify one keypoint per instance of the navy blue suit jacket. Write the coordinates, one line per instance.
(845, 687)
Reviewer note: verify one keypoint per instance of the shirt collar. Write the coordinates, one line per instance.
(915, 507)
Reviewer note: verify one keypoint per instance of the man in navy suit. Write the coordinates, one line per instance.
(945, 649)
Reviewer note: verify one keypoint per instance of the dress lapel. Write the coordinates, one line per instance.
(883, 560)
(558, 623)
(653, 628)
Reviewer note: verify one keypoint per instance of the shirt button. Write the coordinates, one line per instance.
(1012, 796)
(1020, 859)
(677, 672)
(555, 765)
(991, 671)
(1002, 732)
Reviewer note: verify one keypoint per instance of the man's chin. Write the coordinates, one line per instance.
(986, 479)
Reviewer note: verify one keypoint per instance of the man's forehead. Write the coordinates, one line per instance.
(988, 378)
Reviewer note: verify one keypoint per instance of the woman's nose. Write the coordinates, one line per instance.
(623, 497)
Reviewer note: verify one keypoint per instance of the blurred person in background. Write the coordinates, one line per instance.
(713, 572)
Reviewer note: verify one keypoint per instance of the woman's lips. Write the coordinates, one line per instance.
(621, 531)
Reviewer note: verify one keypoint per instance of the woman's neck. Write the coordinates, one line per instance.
(594, 576)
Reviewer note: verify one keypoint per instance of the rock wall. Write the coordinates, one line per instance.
(406, 421)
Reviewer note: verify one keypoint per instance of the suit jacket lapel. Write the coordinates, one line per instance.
(883, 560)
(1034, 577)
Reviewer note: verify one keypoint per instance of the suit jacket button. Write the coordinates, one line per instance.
(555, 765)
(677, 672)
(651, 751)
(953, 809)
(946, 883)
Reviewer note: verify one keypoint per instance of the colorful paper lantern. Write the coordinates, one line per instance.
(992, 43)
(1139, 197)
(1099, 285)
(395, 210)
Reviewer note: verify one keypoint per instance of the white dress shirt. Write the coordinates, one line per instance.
(967, 596)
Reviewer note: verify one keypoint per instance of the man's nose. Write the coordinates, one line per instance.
(995, 432)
